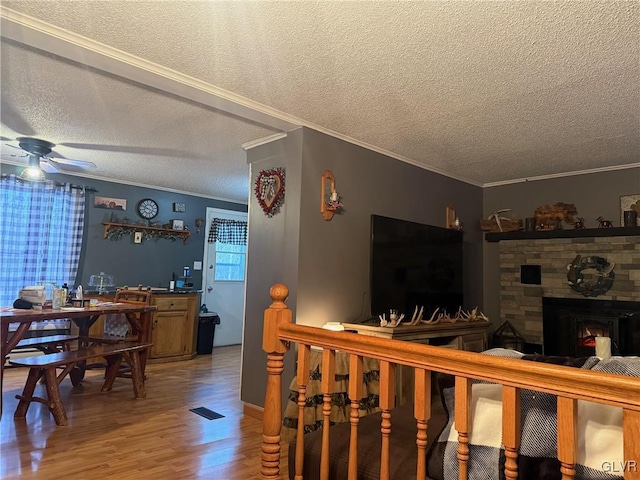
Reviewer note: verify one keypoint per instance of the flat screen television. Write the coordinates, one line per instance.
(414, 264)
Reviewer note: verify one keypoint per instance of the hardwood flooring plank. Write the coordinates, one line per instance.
(113, 436)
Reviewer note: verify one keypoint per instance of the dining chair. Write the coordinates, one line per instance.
(117, 328)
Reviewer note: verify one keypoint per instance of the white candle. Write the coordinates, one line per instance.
(603, 347)
(334, 196)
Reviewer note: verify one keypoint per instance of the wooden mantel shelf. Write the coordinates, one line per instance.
(117, 230)
(569, 233)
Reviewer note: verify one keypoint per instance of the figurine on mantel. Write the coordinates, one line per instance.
(550, 217)
(499, 223)
(602, 223)
(579, 223)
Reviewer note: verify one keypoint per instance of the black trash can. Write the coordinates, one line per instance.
(206, 330)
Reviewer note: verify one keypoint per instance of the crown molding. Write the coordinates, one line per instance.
(262, 141)
(43, 36)
(63, 43)
(561, 175)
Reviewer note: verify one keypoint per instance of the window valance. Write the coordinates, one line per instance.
(233, 232)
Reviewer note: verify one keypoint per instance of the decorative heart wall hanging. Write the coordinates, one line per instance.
(269, 190)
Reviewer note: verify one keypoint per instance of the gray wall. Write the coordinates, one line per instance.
(272, 257)
(153, 261)
(328, 270)
(334, 255)
(594, 195)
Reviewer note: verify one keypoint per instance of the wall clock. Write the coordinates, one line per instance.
(147, 208)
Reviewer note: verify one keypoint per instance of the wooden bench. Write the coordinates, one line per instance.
(44, 366)
(49, 344)
(110, 339)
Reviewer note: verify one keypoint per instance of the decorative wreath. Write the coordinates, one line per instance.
(269, 190)
(596, 284)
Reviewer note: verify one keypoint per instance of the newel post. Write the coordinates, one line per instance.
(276, 314)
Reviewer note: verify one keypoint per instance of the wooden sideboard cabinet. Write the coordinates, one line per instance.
(173, 331)
(173, 328)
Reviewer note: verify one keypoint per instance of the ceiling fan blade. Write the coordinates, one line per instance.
(13, 146)
(12, 157)
(15, 155)
(74, 163)
(12, 119)
(156, 151)
(48, 167)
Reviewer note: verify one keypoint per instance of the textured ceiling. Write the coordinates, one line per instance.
(487, 92)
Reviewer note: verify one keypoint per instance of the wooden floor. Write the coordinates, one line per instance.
(114, 436)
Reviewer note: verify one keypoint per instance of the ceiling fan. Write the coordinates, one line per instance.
(40, 159)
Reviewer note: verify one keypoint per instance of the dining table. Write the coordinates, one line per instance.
(138, 316)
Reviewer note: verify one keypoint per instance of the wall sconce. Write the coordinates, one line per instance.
(452, 221)
(199, 222)
(329, 203)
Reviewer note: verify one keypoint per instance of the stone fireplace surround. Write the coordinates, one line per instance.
(521, 303)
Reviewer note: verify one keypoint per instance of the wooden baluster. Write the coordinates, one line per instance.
(422, 414)
(631, 446)
(356, 371)
(463, 424)
(387, 402)
(304, 365)
(511, 430)
(328, 385)
(567, 436)
(276, 314)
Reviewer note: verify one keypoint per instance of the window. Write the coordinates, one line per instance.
(41, 226)
(230, 239)
(230, 262)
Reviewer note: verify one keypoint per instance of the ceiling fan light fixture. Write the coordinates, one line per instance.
(33, 173)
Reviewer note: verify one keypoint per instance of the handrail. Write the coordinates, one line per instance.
(568, 384)
(618, 390)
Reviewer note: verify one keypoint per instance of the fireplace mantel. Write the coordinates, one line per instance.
(569, 233)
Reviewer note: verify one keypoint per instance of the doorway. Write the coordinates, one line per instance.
(223, 281)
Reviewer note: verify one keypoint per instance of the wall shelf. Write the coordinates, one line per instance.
(114, 231)
(572, 233)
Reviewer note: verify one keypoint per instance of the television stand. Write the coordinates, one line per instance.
(368, 321)
(470, 336)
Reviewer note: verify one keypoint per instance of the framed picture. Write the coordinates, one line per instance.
(177, 224)
(629, 202)
(110, 203)
(179, 207)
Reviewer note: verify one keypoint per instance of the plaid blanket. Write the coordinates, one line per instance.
(599, 429)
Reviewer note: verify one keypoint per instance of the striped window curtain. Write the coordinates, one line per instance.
(41, 227)
(232, 232)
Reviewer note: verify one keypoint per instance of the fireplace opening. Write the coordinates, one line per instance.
(570, 326)
(587, 329)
